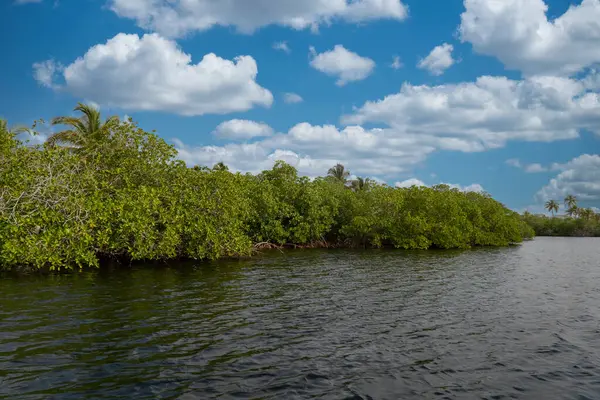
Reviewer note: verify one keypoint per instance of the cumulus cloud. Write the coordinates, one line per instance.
(292, 98)
(152, 73)
(475, 187)
(535, 167)
(251, 157)
(396, 63)
(282, 46)
(579, 177)
(45, 72)
(519, 34)
(530, 168)
(178, 17)
(475, 116)
(32, 139)
(439, 60)
(242, 129)
(343, 64)
(410, 183)
(366, 152)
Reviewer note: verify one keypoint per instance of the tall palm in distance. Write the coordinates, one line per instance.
(571, 204)
(552, 206)
(84, 130)
(339, 172)
(360, 184)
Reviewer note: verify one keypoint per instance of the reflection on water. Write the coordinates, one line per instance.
(521, 322)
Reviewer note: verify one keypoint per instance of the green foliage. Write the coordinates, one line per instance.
(587, 223)
(124, 195)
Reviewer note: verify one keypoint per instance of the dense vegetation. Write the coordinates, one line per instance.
(578, 221)
(108, 189)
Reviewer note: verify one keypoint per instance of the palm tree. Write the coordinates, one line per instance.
(84, 130)
(7, 135)
(220, 166)
(571, 201)
(339, 172)
(585, 213)
(360, 184)
(571, 204)
(573, 211)
(552, 206)
(15, 130)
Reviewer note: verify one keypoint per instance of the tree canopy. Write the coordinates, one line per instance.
(130, 198)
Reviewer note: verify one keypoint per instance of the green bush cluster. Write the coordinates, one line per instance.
(124, 195)
(588, 225)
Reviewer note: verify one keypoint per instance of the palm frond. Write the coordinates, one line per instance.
(75, 122)
(64, 137)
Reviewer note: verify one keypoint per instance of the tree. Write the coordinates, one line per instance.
(360, 184)
(84, 130)
(552, 206)
(585, 213)
(571, 204)
(220, 166)
(8, 135)
(11, 132)
(339, 173)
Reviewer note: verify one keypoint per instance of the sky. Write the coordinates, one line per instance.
(500, 96)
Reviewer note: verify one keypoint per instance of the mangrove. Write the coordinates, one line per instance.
(108, 190)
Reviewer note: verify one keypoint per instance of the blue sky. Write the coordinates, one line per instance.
(502, 96)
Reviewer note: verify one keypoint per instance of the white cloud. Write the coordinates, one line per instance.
(292, 98)
(343, 64)
(152, 73)
(373, 152)
(536, 167)
(475, 187)
(27, 1)
(242, 129)
(176, 18)
(396, 63)
(579, 177)
(474, 116)
(439, 60)
(45, 72)
(34, 139)
(377, 153)
(529, 168)
(282, 46)
(513, 162)
(519, 33)
(409, 183)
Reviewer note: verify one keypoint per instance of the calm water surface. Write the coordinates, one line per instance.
(522, 322)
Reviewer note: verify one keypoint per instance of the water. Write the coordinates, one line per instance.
(521, 322)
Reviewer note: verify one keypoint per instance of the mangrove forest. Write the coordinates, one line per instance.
(108, 190)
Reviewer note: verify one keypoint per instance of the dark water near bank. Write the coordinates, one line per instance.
(522, 322)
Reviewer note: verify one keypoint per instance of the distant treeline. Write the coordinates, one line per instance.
(109, 190)
(564, 226)
(577, 221)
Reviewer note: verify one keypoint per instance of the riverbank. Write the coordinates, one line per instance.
(122, 193)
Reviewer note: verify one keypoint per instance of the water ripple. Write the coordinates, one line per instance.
(486, 324)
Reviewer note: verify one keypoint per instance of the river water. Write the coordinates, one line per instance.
(520, 322)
